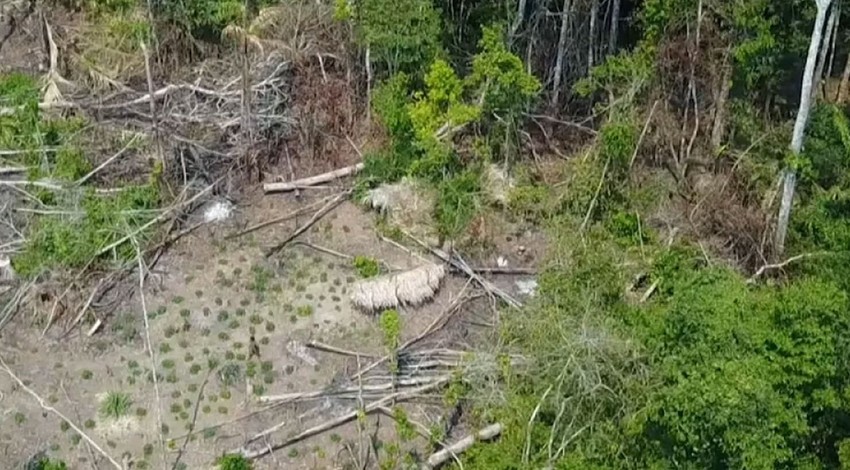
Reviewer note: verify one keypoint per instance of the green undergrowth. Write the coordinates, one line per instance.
(712, 371)
(444, 129)
(75, 223)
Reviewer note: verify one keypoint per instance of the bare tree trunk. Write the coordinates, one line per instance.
(559, 61)
(615, 26)
(789, 176)
(824, 52)
(520, 14)
(834, 40)
(845, 82)
(718, 129)
(591, 39)
(368, 85)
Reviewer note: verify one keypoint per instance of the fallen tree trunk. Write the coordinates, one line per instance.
(312, 180)
(442, 456)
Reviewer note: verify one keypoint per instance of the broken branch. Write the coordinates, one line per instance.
(312, 180)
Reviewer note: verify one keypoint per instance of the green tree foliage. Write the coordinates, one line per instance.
(436, 114)
(713, 374)
(499, 76)
(402, 35)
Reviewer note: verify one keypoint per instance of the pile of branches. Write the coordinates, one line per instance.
(206, 112)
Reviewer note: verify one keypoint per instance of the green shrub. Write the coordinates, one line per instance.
(234, 462)
(366, 267)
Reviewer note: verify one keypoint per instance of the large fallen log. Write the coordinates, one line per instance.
(312, 180)
(442, 456)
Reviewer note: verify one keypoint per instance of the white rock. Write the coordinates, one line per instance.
(501, 261)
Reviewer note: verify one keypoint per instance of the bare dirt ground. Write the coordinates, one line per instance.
(205, 298)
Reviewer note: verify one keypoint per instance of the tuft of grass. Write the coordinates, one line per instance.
(269, 327)
(115, 405)
(230, 374)
(164, 348)
(124, 325)
(304, 310)
(86, 374)
(260, 278)
(167, 363)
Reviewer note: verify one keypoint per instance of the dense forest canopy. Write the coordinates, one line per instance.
(690, 161)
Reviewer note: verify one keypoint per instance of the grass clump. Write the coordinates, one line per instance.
(366, 267)
(115, 405)
(230, 374)
(260, 279)
(304, 310)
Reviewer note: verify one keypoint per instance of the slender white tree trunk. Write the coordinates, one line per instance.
(518, 20)
(789, 176)
(591, 40)
(834, 38)
(615, 26)
(824, 53)
(559, 61)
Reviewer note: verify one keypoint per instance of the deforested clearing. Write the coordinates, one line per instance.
(374, 234)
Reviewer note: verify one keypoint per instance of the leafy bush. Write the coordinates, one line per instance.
(500, 76)
(234, 462)
(366, 267)
(42, 462)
